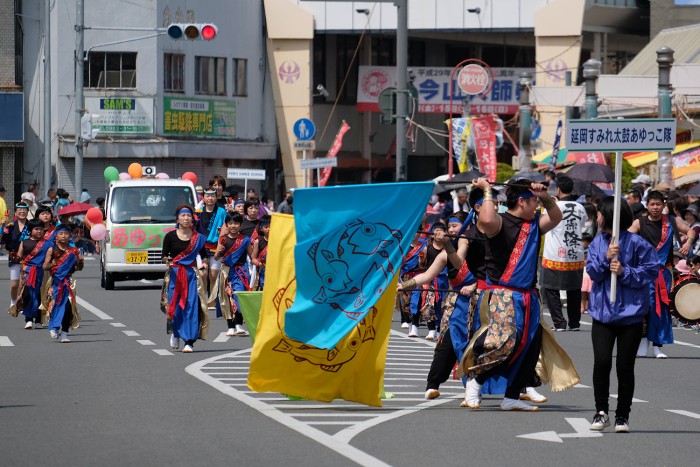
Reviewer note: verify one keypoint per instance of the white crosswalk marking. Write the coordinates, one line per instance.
(146, 342)
(686, 413)
(222, 337)
(6, 342)
(162, 352)
(131, 333)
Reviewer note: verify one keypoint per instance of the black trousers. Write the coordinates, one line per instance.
(526, 373)
(573, 308)
(67, 317)
(628, 338)
(444, 360)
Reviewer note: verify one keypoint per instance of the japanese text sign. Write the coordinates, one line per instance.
(650, 134)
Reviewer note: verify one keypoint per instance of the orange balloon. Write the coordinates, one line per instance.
(135, 170)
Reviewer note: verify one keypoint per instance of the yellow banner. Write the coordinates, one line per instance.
(353, 370)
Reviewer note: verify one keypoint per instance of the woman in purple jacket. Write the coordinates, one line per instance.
(635, 262)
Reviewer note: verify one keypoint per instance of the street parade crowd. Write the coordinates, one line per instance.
(474, 277)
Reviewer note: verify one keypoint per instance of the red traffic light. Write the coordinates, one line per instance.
(208, 32)
(192, 31)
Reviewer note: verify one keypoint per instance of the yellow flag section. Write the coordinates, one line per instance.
(353, 370)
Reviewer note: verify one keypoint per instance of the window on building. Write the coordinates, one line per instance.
(240, 73)
(173, 73)
(110, 70)
(210, 76)
(319, 58)
(345, 49)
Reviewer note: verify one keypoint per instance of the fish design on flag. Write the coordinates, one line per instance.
(327, 360)
(333, 254)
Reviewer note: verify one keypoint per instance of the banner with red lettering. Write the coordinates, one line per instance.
(335, 148)
(485, 140)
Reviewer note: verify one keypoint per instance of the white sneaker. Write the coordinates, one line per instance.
(405, 325)
(658, 353)
(64, 337)
(231, 332)
(187, 349)
(414, 331)
(174, 341)
(431, 394)
(53, 334)
(432, 335)
(532, 395)
(600, 421)
(472, 395)
(37, 325)
(643, 349)
(28, 325)
(240, 331)
(517, 405)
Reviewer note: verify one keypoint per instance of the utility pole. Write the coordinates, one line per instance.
(79, 98)
(591, 72)
(524, 152)
(664, 57)
(402, 89)
(47, 97)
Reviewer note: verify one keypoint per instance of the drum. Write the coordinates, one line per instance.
(685, 300)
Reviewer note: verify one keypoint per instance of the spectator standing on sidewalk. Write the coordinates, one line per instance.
(563, 260)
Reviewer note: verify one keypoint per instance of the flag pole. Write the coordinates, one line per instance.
(616, 219)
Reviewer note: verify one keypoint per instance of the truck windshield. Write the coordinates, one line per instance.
(147, 204)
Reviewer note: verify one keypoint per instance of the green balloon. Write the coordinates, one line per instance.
(111, 174)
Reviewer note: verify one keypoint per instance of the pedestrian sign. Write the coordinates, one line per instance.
(304, 129)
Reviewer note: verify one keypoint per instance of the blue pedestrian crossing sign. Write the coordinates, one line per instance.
(304, 129)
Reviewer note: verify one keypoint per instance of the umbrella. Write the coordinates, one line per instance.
(74, 209)
(694, 191)
(588, 172)
(532, 176)
(457, 181)
(587, 189)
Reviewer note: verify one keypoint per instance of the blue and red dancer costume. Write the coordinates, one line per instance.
(62, 306)
(30, 290)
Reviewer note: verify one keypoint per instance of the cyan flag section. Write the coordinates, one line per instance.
(350, 242)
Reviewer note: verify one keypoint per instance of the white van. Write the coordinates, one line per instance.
(139, 213)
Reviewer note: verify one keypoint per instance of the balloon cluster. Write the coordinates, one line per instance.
(94, 220)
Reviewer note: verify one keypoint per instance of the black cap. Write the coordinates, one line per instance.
(2, 189)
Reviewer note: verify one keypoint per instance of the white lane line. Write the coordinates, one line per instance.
(131, 333)
(6, 342)
(634, 399)
(581, 386)
(314, 414)
(222, 337)
(146, 342)
(162, 352)
(339, 446)
(118, 325)
(93, 309)
(686, 413)
(331, 423)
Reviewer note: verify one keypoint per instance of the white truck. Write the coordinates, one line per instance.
(138, 214)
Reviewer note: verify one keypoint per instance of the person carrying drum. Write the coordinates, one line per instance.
(659, 230)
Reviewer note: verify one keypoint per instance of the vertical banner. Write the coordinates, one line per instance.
(460, 128)
(335, 148)
(554, 160)
(485, 139)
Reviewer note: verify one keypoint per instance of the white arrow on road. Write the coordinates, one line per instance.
(580, 425)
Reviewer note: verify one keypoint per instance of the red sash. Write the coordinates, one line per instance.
(31, 277)
(461, 275)
(263, 255)
(517, 251)
(664, 231)
(236, 244)
(181, 287)
(661, 291)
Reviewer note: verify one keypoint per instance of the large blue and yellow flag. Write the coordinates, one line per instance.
(351, 240)
(352, 370)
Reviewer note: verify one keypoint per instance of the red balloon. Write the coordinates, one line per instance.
(191, 176)
(94, 215)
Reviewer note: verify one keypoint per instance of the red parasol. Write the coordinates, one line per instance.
(74, 209)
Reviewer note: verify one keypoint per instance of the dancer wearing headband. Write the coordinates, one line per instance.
(411, 266)
(259, 256)
(32, 253)
(62, 260)
(13, 234)
(209, 221)
(509, 344)
(183, 290)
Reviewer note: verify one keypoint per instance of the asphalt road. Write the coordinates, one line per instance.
(118, 395)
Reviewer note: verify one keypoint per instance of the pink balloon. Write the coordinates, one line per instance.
(162, 175)
(124, 176)
(98, 232)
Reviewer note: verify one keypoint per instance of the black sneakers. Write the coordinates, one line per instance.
(621, 425)
(600, 421)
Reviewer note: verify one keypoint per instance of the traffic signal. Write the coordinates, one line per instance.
(192, 31)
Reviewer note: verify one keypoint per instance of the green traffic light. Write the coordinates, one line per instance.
(175, 31)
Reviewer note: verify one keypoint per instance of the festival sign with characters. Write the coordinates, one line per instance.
(199, 117)
(433, 85)
(138, 236)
